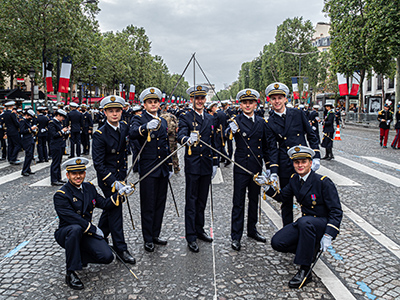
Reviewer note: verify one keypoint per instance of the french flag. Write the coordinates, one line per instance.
(355, 85)
(163, 97)
(49, 81)
(173, 99)
(295, 87)
(342, 81)
(65, 74)
(131, 92)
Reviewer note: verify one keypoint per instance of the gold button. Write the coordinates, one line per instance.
(299, 144)
(159, 157)
(210, 135)
(259, 156)
(83, 216)
(158, 148)
(248, 146)
(260, 140)
(201, 154)
(315, 216)
(91, 212)
(288, 147)
(89, 233)
(259, 147)
(248, 139)
(117, 161)
(201, 145)
(199, 136)
(157, 139)
(312, 206)
(304, 214)
(298, 134)
(248, 155)
(284, 138)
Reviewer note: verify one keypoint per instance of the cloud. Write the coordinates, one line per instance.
(223, 33)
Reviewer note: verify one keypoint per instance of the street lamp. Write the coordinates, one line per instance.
(32, 77)
(94, 68)
(80, 90)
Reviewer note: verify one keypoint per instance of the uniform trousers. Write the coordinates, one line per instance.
(396, 140)
(85, 142)
(197, 187)
(111, 221)
(82, 248)
(287, 206)
(55, 168)
(3, 148)
(384, 134)
(153, 195)
(75, 140)
(230, 147)
(29, 149)
(14, 146)
(241, 183)
(42, 148)
(300, 238)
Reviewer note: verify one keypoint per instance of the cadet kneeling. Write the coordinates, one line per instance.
(74, 203)
(321, 214)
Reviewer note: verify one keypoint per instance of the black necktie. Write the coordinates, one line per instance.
(283, 117)
(301, 181)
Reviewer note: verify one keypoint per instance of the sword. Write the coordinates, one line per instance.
(120, 259)
(159, 164)
(173, 197)
(309, 271)
(136, 159)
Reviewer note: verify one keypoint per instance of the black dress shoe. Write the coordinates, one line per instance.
(63, 181)
(205, 237)
(71, 156)
(298, 279)
(25, 174)
(31, 173)
(149, 247)
(235, 245)
(193, 246)
(159, 241)
(57, 183)
(325, 157)
(257, 236)
(125, 256)
(73, 281)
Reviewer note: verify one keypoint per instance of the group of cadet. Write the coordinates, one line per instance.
(271, 155)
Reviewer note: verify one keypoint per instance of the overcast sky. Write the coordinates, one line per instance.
(223, 33)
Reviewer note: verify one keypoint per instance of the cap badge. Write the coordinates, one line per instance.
(276, 86)
(248, 92)
(112, 98)
(199, 88)
(152, 91)
(297, 149)
(78, 161)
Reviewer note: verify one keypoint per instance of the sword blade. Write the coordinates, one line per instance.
(227, 158)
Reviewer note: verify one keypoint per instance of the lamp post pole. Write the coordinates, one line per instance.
(32, 77)
(94, 68)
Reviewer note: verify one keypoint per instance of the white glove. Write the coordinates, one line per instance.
(314, 128)
(117, 185)
(275, 181)
(267, 173)
(99, 232)
(214, 172)
(170, 174)
(315, 164)
(233, 127)
(326, 241)
(261, 180)
(194, 136)
(126, 190)
(152, 124)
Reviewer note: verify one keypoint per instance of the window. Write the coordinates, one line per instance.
(391, 83)
(379, 82)
(369, 84)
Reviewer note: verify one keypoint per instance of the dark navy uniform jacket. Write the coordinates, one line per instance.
(329, 122)
(43, 122)
(87, 122)
(385, 115)
(109, 153)
(75, 120)
(57, 136)
(202, 158)
(156, 150)
(75, 207)
(2, 125)
(312, 117)
(230, 112)
(286, 134)
(317, 197)
(254, 134)
(220, 127)
(26, 132)
(11, 123)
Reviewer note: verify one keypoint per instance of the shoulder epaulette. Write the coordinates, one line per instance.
(99, 131)
(50, 121)
(60, 191)
(292, 175)
(266, 121)
(323, 177)
(124, 122)
(91, 182)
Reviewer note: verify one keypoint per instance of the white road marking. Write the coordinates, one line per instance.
(329, 279)
(372, 231)
(371, 172)
(17, 174)
(338, 179)
(382, 161)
